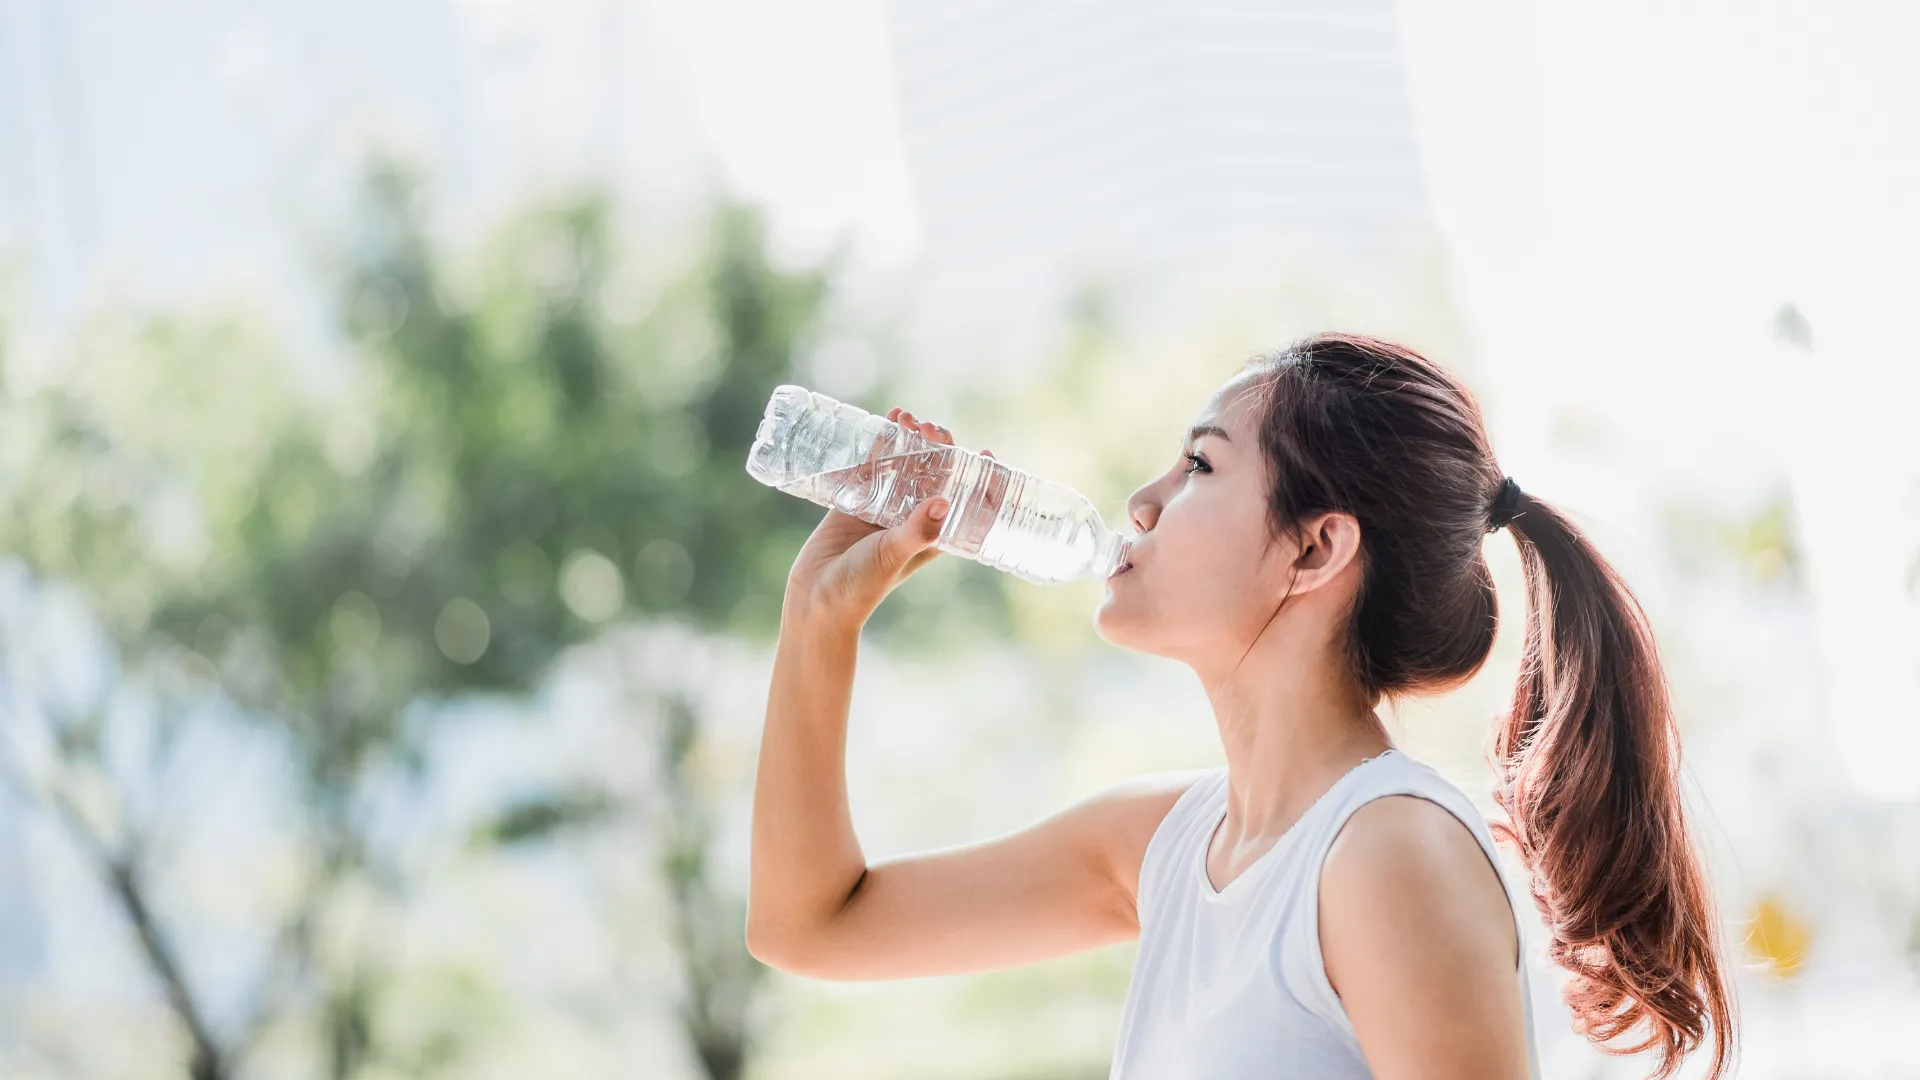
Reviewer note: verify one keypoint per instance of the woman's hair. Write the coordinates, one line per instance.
(1588, 757)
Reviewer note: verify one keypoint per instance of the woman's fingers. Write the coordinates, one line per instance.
(933, 431)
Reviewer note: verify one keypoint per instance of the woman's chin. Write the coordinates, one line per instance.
(1110, 626)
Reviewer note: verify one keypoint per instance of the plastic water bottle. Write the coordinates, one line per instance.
(845, 458)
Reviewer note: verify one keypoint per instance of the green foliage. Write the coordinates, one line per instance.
(497, 469)
(540, 817)
(517, 477)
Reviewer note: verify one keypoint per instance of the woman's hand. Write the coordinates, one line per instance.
(848, 565)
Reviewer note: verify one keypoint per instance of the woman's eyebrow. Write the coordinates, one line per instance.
(1198, 430)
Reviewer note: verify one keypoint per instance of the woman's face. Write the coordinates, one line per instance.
(1204, 581)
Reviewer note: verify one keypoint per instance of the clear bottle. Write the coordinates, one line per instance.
(843, 457)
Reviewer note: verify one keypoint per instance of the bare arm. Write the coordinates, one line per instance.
(1418, 939)
(1060, 885)
(806, 858)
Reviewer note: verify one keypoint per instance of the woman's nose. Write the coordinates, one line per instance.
(1142, 511)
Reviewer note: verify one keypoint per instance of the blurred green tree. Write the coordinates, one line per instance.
(505, 470)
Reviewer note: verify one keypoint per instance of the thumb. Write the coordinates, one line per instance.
(914, 535)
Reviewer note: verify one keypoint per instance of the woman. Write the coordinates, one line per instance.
(1324, 906)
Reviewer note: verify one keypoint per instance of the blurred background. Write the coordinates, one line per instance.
(386, 613)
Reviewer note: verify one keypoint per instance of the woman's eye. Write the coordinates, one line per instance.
(1199, 463)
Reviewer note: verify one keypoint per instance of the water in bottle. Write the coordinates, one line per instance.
(840, 456)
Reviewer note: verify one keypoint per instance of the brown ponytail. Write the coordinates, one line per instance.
(1588, 758)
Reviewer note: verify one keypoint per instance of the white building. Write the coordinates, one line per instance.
(1163, 143)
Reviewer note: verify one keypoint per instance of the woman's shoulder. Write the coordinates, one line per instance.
(1395, 772)
(1415, 852)
(1397, 800)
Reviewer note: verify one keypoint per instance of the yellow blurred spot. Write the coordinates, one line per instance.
(1778, 936)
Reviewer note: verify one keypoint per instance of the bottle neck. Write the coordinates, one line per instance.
(1112, 553)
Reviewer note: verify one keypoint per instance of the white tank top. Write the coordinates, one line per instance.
(1230, 984)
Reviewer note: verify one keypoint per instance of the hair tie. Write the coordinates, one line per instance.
(1504, 505)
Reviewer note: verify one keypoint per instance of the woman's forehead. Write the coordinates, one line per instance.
(1232, 405)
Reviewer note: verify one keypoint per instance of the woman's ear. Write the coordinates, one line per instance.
(1329, 542)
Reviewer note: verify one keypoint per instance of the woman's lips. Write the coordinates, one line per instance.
(1124, 567)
